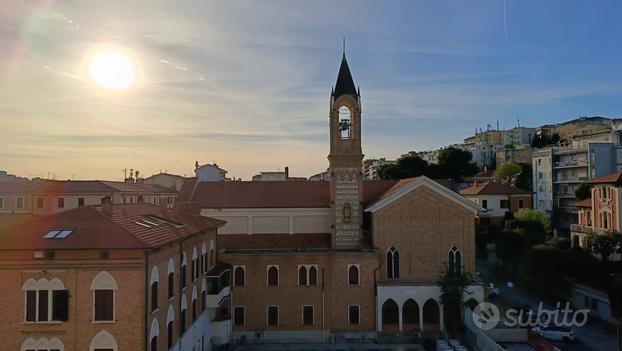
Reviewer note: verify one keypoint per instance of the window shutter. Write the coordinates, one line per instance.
(104, 305)
(60, 305)
(313, 276)
(31, 306)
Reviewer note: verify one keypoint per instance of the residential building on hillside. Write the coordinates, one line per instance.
(51, 196)
(519, 154)
(576, 127)
(497, 199)
(209, 172)
(371, 166)
(171, 181)
(517, 136)
(558, 171)
(276, 176)
(483, 146)
(601, 213)
(115, 277)
(344, 260)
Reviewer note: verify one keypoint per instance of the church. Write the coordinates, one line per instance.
(339, 260)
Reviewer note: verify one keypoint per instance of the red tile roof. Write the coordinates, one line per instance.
(88, 186)
(93, 229)
(491, 188)
(609, 178)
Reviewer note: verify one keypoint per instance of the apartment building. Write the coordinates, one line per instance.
(114, 277)
(344, 260)
(520, 154)
(558, 171)
(601, 213)
(166, 180)
(372, 166)
(51, 196)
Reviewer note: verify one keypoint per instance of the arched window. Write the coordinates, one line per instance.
(183, 270)
(353, 275)
(455, 262)
(312, 275)
(273, 275)
(103, 341)
(104, 287)
(239, 278)
(390, 312)
(155, 277)
(153, 334)
(171, 278)
(182, 316)
(194, 304)
(46, 300)
(42, 343)
(302, 275)
(347, 213)
(195, 273)
(273, 315)
(431, 312)
(410, 312)
(203, 258)
(393, 263)
(345, 123)
(170, 318)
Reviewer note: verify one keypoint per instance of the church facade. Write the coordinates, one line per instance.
(339, 260)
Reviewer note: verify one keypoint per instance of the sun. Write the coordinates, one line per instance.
(112, 70)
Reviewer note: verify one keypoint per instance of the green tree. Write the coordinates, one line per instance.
(453, 287)
(531, 215)
(583, 192)
(510, 248)
(525, 178)
(456, 163)
(412, 166)
(508, 174)
(604, 244)
(543, 265)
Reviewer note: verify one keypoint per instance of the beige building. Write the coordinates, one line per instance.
(514, 155)
(115, 277)
(166, 180)
(344, 260)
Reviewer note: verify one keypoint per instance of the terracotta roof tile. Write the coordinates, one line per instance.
(92, 229)
(609, 178)
(491, 188)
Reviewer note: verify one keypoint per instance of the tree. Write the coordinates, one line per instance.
(531, 215)
(508, 174)
(453, 287)
(456, 163)
(543, 266)
(583, 192)
(412, 166)
(543, 140)
(510, 248)
(453, 163)
(525, 178)
(604, 244)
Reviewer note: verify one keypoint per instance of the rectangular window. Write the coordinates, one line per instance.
(39, 202)
(1, 203)
(504, 204)
(354, 315)
(104, 305)
(273, 315)
(238, 316)
(31, 306)
(60, 305)
(60, 202)
(43, 305)
(19, 203)
(80, 201)
(307, 315)
(521, 203)
(170, 285)
(485, 204)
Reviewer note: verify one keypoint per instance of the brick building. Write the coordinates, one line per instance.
(341, 260)
(115, 277)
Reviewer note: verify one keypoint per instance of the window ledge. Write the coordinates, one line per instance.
(103, 322)
(44, 323)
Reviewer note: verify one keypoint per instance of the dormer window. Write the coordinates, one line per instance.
(345, 123)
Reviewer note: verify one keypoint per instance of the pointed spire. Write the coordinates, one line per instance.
(345, 83)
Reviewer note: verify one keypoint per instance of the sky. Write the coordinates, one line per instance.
(246, 84)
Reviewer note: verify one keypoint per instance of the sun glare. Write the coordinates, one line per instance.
(112, 70)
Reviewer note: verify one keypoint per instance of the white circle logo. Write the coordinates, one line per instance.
(486, 316)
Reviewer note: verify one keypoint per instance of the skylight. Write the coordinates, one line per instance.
(58, 234)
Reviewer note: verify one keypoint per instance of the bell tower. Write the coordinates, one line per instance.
(346, 158)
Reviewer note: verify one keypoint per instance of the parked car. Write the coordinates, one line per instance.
(554, 332)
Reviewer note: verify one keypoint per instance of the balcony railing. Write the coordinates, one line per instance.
(571, 179)
(218, 285)
(582, 228)
(571, 163)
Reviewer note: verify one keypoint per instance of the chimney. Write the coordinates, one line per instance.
(286, 173)
(107, 206)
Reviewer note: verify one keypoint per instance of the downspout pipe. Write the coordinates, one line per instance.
(145, 302)
(377, 302)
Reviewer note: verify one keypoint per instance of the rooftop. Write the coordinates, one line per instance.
(492, 188)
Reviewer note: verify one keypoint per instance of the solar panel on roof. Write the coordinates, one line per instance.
(51, 234)
(63, 234)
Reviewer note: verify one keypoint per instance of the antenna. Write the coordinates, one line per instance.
(518, 120)
(124, 170)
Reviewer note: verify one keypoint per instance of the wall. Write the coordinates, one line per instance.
(272, 220)
(543, 180)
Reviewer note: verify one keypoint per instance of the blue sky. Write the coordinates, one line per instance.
(246, 84)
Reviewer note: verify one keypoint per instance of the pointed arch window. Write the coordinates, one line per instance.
(307, 275)
(239, 278)
(347, 213)
(345, 123)
(393, 263)
(454, 262)
(302, 275)
(353, 275)
(273, 275)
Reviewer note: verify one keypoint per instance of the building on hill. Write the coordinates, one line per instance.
(114, 277)
(576, 127)
(371, 167)
(514, 155)
(209, 172)
(341, 260)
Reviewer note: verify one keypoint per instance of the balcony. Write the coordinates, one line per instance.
(571, 179)
(571, 163)
(218, 285)
(581, 228)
